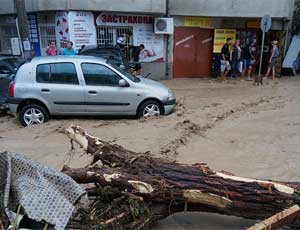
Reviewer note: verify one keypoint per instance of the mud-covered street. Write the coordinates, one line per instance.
(250, 131)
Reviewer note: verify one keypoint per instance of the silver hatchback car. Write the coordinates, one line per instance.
(81, 85)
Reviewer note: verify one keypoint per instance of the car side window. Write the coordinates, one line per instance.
(43, 73)
(95, 74)
(57, 73)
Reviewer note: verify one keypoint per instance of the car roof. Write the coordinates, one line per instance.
(59, 58)
(100, 48)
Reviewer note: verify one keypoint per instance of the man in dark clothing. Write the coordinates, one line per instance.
(225, 57)
(137, 67)
(248, 61)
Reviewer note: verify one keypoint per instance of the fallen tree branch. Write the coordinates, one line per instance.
(167, 187)
(285, 217)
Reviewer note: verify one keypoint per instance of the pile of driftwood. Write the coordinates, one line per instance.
(129, 190)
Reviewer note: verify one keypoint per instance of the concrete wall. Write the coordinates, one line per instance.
(143, 6)
(233, 8)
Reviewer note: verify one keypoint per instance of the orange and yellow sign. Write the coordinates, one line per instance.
(253, 24)
(221, 36)
(201, 22)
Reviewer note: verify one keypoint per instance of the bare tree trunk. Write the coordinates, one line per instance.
(168, 187)
(23, 26)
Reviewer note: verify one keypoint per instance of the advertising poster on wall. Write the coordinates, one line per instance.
(143, 33)
(221, 36)
(154, 45)
(62, 29)
(82, 29)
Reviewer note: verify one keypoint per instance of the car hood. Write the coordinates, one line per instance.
(153, 84)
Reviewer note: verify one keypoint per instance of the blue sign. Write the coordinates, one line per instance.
(34, 33)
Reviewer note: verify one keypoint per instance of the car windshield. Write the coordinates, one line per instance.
(111, 56)
(126, 74)
(14, 62)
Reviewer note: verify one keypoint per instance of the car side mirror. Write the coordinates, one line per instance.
(123, 83)
(122, 67)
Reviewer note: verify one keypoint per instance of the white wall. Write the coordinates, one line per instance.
(233, 8)
(143, 6)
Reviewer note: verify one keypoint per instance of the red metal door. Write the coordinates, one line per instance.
(193, 49)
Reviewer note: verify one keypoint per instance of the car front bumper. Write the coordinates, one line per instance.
(169, 106)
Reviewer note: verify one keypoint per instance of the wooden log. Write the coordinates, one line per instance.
(167, 187)
(285, 217)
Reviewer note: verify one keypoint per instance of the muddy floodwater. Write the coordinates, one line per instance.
(249, 131)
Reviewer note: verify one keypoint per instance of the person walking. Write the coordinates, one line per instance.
(69, 50)
(51, 49)
(273, 60)
(235, 58)
(225, 58)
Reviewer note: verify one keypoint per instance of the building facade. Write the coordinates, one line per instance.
(200, 27)
(205, 25)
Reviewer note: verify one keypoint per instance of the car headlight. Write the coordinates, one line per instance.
(171, 95)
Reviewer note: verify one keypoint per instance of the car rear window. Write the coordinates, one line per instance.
(57, 73)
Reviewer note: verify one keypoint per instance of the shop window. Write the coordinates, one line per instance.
(108, 35)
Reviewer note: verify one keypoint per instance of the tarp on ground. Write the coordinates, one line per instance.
(292, 54)
(43, 193)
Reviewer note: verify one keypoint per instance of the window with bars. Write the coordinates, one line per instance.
(108, 35)
(7, 31)
(47, 34)
(46, 24)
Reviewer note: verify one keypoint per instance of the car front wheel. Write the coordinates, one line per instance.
(33, 115)
(149, 109)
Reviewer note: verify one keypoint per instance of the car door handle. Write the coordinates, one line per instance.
(92, 92)
(45, 90)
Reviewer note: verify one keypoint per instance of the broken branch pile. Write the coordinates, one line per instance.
(133, 190)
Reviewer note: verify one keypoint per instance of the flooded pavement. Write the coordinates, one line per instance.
(249, 131)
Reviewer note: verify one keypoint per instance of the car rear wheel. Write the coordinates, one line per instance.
(33, 115)
(150, 109)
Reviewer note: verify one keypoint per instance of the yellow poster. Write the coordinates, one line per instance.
(221, 36)
(197, 22)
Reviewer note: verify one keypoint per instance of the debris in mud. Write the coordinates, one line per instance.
(3, 111)
(213, 105)
(188, 129)
(180, 108)
(133, 190)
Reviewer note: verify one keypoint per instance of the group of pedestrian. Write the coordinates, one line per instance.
(239, 62)
(52, 50)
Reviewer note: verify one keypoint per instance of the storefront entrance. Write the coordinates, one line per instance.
(193, 48)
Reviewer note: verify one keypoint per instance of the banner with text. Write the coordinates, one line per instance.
(201, 22)
(143, 33)
(82, 29)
